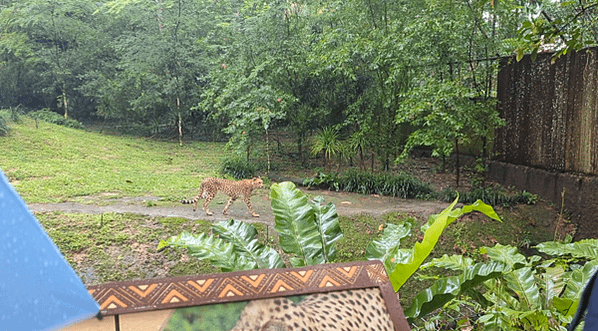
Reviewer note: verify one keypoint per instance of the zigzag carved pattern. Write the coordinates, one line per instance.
(377, 273)
(117, 298)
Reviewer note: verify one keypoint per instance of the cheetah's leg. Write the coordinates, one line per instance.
(248, 203)
(205, 204)
(195, 205)
(230, 202)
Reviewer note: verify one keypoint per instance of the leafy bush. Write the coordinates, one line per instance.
(494, 196)
(4, 122)
(539, 292)
(323, 180)
(401, 263)
(7, 116)
(363, 182)
(49, 116)
(238, 168)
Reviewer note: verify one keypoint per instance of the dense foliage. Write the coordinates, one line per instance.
(405, 186)
(238, 168)
(400, 185)
(379, 75)
(49, 116)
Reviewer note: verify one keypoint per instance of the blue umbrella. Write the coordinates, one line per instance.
(38, 289)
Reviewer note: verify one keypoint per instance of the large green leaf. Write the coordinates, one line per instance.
(217, 251)
(586, 248)
(478, 206)
(523, 282)
(243, 236)
(553, 283)
(505, 254)
(295, 222)
(498, 293)
(566, 307)
(386, 247)
(454, 262)
(436, 224)
(448, 288)
(327, 222)
(578, 279)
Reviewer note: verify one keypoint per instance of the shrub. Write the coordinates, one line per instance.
(493, 195)
(49, 116)
(401, 185)
(323, 180)
(4, 122)
(238, 168)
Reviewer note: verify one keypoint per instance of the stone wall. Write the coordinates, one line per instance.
(580, 192)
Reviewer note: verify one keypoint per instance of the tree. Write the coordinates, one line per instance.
(560, 26)
(445, 115)
(154, 87)
(251, 87)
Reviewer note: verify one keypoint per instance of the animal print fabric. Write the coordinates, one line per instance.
(351, 310)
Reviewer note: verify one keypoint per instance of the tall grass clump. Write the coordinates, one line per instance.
(238, 168)
(401, 185)
(4, 122)
(49, 116)
(8, 116)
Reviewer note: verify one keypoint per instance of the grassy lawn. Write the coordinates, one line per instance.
(54, 164)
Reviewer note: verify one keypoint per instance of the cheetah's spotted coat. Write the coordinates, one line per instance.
(354, 310)
(210, 186)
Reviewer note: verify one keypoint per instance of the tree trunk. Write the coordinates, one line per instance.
(65, 102)
(361, 159)
(268, 150)
(484, 163)
(373, 156)
(457, 165)
(180, 124)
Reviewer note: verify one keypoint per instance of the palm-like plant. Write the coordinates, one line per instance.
(326, 140)
(359, 142)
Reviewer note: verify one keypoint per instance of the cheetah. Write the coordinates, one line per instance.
(355, 310)
(210, 186)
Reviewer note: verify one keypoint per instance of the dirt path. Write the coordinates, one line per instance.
(347, 204)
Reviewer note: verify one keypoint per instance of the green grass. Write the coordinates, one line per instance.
(53, 163)
(114, 247)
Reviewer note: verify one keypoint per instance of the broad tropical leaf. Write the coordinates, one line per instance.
(522, 281)
(505, 254)
(566, 307)
(553, 283)
(327, 222)
(296, 226)
(578, 279)
(586, 248)
(448, 288)
(480, 207)
(386, 247)
(436, 224)
(243, 237)
(217, 251)
(454, 262)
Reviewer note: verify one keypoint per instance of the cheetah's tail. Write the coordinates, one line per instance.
(199, 195)
(187, 202)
